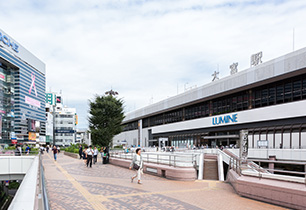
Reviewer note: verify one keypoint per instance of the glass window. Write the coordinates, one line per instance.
(288, 92)
(272, 95)
(279, 94)
(304, 89)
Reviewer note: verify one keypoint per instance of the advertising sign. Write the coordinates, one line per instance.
(0, 126)
(58, 99)
(13, 136)
(32, 136)
(76, 119)
(2, 77)
(14, 141)
(42, 139)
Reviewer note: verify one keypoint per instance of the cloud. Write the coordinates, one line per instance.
(148, 48)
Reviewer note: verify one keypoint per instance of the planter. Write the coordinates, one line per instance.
(73, 155)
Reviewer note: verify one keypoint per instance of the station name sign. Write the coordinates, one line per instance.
(225, 119)
(7, 41)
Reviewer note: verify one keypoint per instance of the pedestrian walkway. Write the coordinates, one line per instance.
(71, 185)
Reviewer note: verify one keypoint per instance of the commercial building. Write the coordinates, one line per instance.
(22, 93)
(268, 99)
(61, 121)
(83, 137)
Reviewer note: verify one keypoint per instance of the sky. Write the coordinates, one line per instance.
(148, 50)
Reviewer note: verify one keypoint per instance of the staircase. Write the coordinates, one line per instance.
(211, 169)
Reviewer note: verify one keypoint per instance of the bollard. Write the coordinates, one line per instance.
(201, 166)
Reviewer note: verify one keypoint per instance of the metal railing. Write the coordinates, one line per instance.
(249, 168)
(43, 195)
(283, 162)
(169, 159)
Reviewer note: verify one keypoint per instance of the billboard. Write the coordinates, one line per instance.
(33, 125)
(32, 136)
(58, 99)
(0, 126)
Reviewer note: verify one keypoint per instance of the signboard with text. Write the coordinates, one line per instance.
(50, 98)
(244, 139)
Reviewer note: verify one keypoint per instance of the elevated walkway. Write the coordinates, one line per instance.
(31, 193)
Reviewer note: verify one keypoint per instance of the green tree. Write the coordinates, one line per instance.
(106, 115)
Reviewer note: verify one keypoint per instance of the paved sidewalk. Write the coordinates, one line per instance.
(71, 185)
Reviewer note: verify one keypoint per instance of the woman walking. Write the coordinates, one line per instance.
(137, 164)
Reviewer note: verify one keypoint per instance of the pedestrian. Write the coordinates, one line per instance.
(27, 149)
(84, 154)
(58, 149)
(80, 151)
(89, 152)
(137, 164)
(95, 155)
(55, 151)
(18, 151)
(102, 153)
(47, 149)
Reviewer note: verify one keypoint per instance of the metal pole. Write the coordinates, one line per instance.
(53, 124)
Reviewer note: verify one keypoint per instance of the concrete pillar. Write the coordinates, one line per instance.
(220, 167)
(271, 165)
(201, 166)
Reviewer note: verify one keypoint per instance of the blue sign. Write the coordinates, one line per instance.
(8, 42)
(224, 119)
(64, 131)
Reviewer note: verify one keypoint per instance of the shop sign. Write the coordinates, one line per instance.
(225, 119)
(4, 38)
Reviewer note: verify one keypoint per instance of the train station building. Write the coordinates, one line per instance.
(267, 99)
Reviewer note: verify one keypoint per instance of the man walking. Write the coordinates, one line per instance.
(54, 152)
(89, 152)
(95, 155)
(80, 151)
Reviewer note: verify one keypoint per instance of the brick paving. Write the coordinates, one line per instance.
(71, 185)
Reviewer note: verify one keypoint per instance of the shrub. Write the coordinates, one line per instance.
(13, 185)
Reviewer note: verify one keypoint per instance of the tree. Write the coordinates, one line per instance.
(106, 115)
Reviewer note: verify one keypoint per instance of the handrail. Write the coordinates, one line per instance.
(175, 160)
(42, 187)
(279, 161)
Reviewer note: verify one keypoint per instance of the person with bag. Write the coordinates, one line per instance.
(89, 153)
(137, 164)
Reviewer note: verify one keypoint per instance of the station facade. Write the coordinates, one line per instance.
(22, 94)
(268, 100)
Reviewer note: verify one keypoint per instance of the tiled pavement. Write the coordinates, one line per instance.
(71, 185)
